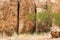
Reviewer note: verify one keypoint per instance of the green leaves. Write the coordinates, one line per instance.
(43, 16)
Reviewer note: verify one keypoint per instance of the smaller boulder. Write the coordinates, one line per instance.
(55, 34)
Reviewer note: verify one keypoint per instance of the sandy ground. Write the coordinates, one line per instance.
(42, 36)
(30, 37)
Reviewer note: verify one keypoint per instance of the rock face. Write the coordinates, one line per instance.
(56, 6)
(26, 7)
(8, 16)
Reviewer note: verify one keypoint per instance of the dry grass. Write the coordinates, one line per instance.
(43, 36)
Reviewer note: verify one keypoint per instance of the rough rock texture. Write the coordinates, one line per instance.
(26, 6)
(55, 34)
(56, 6)
(29, 26)
(8, 16)
(40, 4)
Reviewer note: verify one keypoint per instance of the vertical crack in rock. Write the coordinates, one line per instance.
(26, 7)
(18, 17)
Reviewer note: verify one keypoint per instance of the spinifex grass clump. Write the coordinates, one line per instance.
(45, 21)
(43, 16)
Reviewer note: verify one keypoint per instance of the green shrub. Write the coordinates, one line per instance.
(43, 16)
(53, 17)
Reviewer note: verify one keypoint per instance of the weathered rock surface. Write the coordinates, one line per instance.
(8, 16)
(56, 6)
(29, 26)
(26, 6)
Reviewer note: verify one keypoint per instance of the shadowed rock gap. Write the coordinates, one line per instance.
(18, 17)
